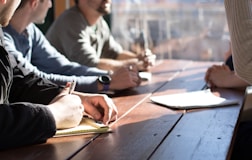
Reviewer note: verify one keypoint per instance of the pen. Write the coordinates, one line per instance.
(144, 43)
(72, 87)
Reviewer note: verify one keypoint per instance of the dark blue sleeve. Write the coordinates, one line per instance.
(47, 62)
(229, 63)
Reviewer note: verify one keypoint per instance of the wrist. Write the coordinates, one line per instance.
(110, 72)
(104, 83)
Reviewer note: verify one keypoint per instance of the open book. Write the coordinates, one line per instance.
(192, 100)
(86, 126)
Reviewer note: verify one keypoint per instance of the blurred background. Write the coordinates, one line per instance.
(178, 29)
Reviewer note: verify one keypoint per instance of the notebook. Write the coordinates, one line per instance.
(86, 126)
(193, 100)
(246, 111)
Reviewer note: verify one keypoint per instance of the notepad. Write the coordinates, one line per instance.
(86, 126)
(145, 76)
(193, 100)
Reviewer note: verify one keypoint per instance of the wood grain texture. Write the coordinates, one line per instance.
(145, 130)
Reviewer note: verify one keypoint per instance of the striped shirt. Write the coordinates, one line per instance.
(239, 18)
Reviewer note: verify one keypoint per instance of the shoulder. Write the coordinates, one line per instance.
(103, 23)
(71, 15)
(32, 28)
(70, 20)
(8, 31)
(10, 35)
(34, 32)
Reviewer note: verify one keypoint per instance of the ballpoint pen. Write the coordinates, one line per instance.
(72, 87)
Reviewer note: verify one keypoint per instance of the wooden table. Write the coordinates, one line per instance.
(149, 131)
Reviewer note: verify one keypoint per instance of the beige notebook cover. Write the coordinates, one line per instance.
(86, 126)
(192, 100)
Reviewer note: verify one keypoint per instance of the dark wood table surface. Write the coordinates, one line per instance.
(145, 130)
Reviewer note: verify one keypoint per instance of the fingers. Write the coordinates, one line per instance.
(146, 60)
(133, 71)
(130, 67)
(150, 59)
(82, 109)
(208, 76)
(64, 108)
(128, 75)
(101, 108)
(66, 88)
(110, 111)
(65, 91)
(93, 111)
(216, 75)
(136, 79)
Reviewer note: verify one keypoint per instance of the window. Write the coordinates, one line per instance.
(178, 29)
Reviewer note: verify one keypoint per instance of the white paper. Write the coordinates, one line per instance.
(146, 76)
(190, 100)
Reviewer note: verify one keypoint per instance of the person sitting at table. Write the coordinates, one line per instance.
(33, 51)
(32, 108)
(87, 38)
(224, 75)
(239, 17)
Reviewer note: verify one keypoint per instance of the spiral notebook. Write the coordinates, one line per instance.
(86, 126)
(193, 100)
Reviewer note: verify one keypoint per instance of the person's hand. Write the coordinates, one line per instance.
(67, 109)
(219, 76)
(99, 106)
(146, 60)
(125, 77)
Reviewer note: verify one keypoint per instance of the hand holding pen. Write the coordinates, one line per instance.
(146, 60)
(98, 106)
(146, 57)
(65, 105)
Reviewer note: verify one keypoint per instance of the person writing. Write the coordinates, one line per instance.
(224, 76)
(33, 51)
(87, 38)
(239, 22)
(32, 108)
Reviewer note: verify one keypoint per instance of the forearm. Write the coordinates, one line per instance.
(126, 55)
(108, 64)
(31, 88)
(25, 124)
(236, 82)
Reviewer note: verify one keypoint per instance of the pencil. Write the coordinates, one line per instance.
(72, 87)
